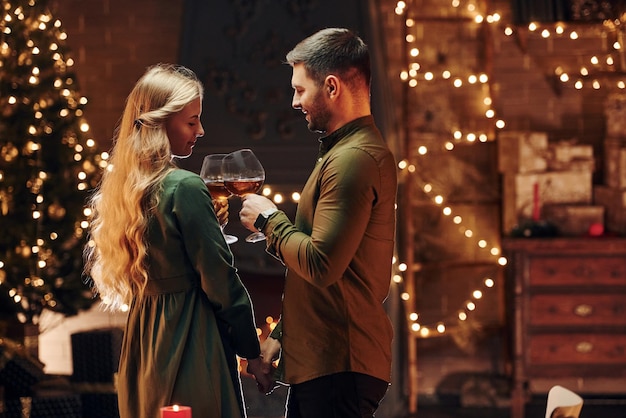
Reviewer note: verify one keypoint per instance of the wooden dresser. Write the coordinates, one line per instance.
(566, 308)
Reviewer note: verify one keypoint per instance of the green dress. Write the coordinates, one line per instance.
(183, 333)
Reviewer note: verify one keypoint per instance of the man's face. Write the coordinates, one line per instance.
(310, 99)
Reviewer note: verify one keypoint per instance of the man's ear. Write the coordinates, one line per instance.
(331, 85)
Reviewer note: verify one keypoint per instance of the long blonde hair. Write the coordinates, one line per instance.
(127, 194)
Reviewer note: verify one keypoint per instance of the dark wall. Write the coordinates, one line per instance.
(238, 50)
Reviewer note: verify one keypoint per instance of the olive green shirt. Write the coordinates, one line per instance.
(183, 333)
(338, 254)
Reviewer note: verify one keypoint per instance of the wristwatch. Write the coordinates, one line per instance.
(261, 220)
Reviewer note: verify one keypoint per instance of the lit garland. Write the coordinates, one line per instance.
(597, 71)
(413, 76)
(594, 74)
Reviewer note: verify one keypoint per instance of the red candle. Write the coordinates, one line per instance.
(176, 411)
(536, 202)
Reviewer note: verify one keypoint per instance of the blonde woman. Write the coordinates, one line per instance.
(157, 246)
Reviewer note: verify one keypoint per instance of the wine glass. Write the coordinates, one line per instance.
(243, 174)
(211, 173)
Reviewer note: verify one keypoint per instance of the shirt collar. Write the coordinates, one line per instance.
(329, 141)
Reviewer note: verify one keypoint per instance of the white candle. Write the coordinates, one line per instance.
(176, 411)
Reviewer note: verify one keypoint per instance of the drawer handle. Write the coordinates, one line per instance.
(584, 347)
(583, 310)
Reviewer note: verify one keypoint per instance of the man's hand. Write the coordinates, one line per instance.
(251, 206)
(263, 373)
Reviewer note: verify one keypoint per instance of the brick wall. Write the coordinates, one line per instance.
(113, 41)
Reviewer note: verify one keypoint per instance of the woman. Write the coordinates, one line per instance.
(157, 246)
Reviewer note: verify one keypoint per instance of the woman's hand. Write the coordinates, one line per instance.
(221, 211)
(263, 373)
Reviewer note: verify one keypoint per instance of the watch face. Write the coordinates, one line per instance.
(260, 222)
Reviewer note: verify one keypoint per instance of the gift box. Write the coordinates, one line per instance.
(523, 194)
(615, 115)
(18, 375)
(45, 404)
(99, 404)
(574, 220)
(96, 354)
(568, 156)
(615, 163)
(614, 202)
(522, 152)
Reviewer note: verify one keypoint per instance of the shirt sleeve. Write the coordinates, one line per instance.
(348, 187)
(213, 262)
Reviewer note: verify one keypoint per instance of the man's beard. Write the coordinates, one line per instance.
(319, 116)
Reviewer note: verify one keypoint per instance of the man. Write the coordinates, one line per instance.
(334, 335)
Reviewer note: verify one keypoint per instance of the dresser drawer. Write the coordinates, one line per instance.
(578, 309)
(580, 349)
(580, 270)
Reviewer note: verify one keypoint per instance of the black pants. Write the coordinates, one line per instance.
(340, 395)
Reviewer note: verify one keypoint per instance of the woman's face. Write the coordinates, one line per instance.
(184, 128)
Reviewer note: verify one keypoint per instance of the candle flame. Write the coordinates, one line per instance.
(176, 408)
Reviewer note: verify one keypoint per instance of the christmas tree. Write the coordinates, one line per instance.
(48, 164)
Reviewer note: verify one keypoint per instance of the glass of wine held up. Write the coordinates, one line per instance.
(243, 174)
(211, 173)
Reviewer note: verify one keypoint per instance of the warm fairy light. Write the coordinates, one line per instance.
(502, 261)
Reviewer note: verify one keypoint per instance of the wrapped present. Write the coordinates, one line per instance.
(568, 156)
(574, 220)
(18, 370)
(524, 195)
(614, 202)
(522, 152)
(45, 404)
(98, 399)
(615, 162)
(615, 115)
(99, 404)
(96, 354)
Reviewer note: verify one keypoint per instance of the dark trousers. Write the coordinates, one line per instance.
(339, 395)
